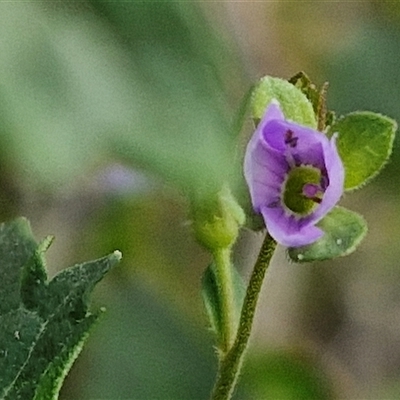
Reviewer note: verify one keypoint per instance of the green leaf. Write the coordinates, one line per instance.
(212, 296)
(344, 230)
(42, 324)
(364, 143)
(294, 103)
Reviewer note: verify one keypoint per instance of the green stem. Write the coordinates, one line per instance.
(230, 365)
(222, 258)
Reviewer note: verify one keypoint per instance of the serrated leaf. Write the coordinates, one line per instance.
(364, 143)
(53, 377)
(344, 230)
(212, 297)
(42, 324)
(294, 103)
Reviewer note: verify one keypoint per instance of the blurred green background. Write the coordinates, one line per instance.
(112, 112)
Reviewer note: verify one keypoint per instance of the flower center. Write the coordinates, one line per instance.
(302, 191)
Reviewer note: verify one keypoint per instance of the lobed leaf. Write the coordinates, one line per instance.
(364, 143)
(344, 230)
(42, 324)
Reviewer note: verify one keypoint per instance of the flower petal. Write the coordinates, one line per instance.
(309, 143)
(335, 171)
(287, 230)
(264, 167)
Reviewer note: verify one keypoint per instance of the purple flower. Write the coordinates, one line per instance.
(295, 177)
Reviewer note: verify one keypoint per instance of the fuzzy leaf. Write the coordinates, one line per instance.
(42, 324)
(344, 230)
(212, 297)
(365, 143)
(294, 103)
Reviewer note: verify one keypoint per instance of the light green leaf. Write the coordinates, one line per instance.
(42, 324)
(212, 296)
(294, 103)
(364, 143)
(344, 230)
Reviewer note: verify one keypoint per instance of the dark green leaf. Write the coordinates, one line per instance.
(364, 143)
(42, 324)
(344, 230)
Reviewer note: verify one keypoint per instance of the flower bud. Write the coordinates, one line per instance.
(216, 222)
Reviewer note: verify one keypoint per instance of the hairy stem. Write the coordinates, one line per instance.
(231, 363)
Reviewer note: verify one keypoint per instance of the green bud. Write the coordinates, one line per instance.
(216, 222)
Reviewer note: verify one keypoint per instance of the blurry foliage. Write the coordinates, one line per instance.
(387, 10)
(142, 350)
(285, 375)
(144, 81)
(157, 246)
